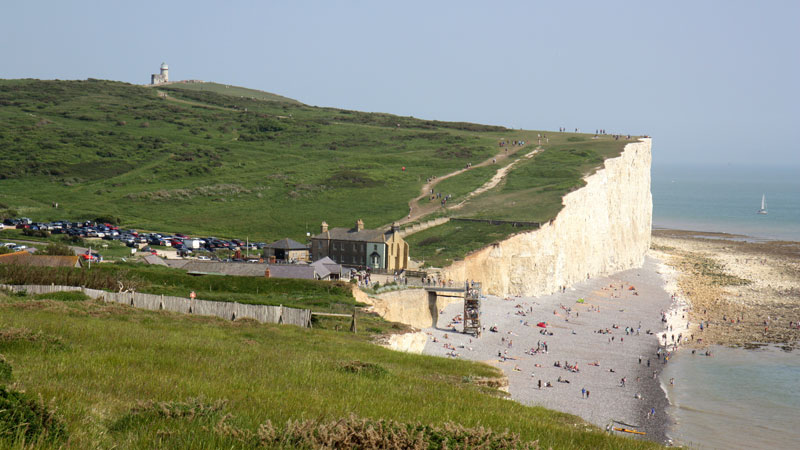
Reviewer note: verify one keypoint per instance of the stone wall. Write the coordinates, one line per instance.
(417, 227)
(603, 228)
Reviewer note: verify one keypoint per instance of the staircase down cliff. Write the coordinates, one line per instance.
(603, 228)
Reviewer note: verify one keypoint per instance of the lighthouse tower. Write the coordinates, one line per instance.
(165, 71)
(160, 78)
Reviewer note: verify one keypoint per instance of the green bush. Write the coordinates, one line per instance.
(35, 233)
(57, 249)
(64, 296)
(24, 418)
(108, 219)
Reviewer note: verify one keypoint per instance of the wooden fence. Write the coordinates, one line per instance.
(225, 310)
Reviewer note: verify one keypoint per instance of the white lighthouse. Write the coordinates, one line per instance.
(160, 78)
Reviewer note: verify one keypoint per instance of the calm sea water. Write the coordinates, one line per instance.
(735, 399)
(726, 199)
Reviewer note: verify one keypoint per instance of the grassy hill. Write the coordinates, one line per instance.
(206, 159)
(110, 376)
(233, 91)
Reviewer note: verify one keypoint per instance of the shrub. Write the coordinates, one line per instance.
(77, 240)
(355, 432)
(108, 219)
(64, 296)
(11, 337)
(144, 412)
(365, 368)
(35, 233)
(57, 249)
(30, 420)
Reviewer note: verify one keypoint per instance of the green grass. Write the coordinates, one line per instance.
(441, 245)
(233, 91)
(105, 148)
(461, 185)
(534, 189)
(104, 366)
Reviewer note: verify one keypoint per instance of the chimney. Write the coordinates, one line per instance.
(395, 227)
(324, 227)
(360, 225)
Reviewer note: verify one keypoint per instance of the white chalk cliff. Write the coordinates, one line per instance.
(603, 228)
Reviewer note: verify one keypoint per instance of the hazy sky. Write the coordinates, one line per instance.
(711, 81)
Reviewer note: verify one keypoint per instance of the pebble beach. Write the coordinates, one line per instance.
(599, 332)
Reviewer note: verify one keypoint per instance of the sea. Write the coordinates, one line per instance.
(725, 199)
(736, 398)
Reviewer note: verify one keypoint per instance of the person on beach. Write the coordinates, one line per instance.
(583, 392)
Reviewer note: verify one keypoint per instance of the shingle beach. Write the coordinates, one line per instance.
(615, 324)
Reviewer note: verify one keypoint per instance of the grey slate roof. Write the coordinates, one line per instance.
(287, 244)
(155, 260)
(326, 266)
(350, 234)
(226, 268)
(302, 271)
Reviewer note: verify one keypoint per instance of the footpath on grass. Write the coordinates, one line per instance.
(497, 178)
(417, 210)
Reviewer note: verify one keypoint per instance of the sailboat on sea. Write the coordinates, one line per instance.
(763, 209)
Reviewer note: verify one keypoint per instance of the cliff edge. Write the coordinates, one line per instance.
(603, 228)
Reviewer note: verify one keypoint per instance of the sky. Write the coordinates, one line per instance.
(713, 82)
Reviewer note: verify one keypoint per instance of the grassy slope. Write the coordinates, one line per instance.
(109, 148)
(271, 169)
(439, 246)
(234, 91)
(110, 357)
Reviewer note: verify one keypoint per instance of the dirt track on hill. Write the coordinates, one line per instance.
(416, 211)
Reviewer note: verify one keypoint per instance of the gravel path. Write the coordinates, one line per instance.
(575, 339)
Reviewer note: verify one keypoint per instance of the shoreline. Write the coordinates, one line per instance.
(737, 292)
(688, 278)
(617, 322)
(719, 274)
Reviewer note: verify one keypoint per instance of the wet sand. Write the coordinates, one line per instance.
(609, 305)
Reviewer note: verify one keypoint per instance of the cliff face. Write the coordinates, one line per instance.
(603, 228)
(410, 306)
